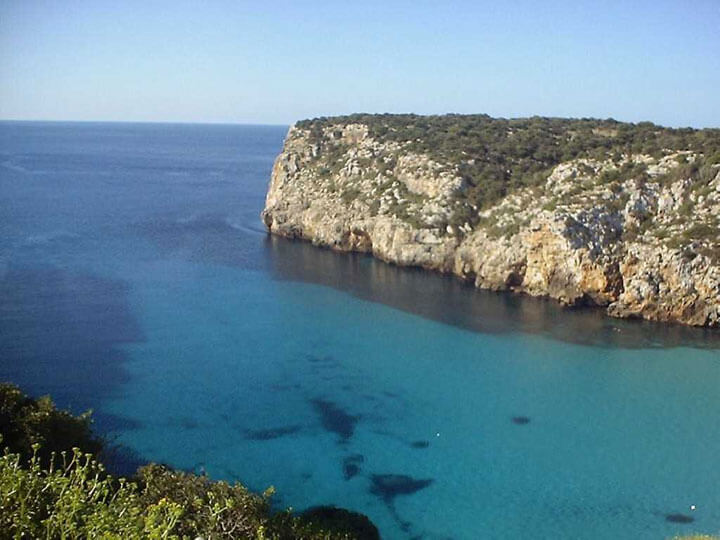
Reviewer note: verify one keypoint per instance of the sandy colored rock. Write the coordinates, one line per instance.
(603, 244)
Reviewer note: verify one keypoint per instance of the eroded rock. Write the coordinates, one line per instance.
(577, 238)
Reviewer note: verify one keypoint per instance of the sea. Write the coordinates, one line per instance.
(137, 280)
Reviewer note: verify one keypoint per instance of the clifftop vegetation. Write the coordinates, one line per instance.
(497, 155)
(631, 171)
(586, 211)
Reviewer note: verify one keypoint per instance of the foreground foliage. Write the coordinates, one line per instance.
(25, 422)
(74, 498)
(63, 492)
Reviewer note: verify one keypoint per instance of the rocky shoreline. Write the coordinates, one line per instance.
(643, 244)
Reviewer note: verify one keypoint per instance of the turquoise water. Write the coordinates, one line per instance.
(136, 280)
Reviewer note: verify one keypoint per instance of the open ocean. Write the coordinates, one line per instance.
(136, 279)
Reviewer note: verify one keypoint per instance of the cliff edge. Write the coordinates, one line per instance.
(589, 212)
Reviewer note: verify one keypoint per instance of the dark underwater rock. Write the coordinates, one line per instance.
(327, 359)
(679, 518)
(351, 465)
(520, 420)
(271, 433)
(389, 486)
(188, 423)
(420, 444)
(339, 520)
(335, 419)
(350, 470)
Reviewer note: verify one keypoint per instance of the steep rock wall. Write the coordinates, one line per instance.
(576, 237)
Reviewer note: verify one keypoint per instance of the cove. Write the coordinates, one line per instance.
(433, 408)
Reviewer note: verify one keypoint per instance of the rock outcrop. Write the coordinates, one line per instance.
(645, 244)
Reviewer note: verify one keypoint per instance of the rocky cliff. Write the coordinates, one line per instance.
(587, 212)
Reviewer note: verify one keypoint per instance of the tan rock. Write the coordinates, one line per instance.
(569, 244)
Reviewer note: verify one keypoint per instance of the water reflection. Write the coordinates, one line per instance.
(450, 301)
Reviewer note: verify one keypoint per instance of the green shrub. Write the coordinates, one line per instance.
(25, 422)
(74, 498)
(214, 509)
(54, 493)
(496, 155)
(700, 231)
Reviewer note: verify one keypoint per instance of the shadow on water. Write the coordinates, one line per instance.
(205, 238)
(59, 332)
(120, 459)
(451, 301)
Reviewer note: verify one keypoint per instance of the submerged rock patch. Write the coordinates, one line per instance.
(335, 419)
(350, 470)
(520, 420)
(389, 486)
(420, 444)
(351, 465)
(271, 433)
(679, 518)
(187, 422)
(284, 387)
(327, 359)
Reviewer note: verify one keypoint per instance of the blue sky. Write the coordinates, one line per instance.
(276, 62)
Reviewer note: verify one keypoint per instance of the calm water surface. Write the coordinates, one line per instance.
(136, 280)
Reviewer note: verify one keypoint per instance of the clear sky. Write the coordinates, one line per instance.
(276, 61)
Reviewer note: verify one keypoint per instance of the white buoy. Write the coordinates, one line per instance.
(692, 507)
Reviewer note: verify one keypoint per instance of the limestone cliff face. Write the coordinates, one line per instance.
(577, 237)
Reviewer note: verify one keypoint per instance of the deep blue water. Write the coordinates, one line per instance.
(136, 279)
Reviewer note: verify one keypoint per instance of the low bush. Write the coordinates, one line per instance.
(26, 422)
(497, 155)
(48, 491)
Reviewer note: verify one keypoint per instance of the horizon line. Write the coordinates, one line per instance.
(155, 122)
(273, 124)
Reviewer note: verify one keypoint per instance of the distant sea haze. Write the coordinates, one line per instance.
(136, 279)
